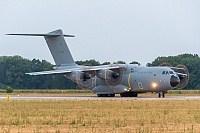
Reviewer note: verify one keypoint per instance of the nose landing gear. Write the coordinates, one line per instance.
(161, 93)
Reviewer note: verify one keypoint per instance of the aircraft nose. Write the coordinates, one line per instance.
(174, 81)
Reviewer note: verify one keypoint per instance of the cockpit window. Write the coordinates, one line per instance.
(163, 72)
(167, 72)
(171, 72)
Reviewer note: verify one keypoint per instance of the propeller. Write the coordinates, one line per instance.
(85, 80)
(114, 77)
(86, 76)
(165, 64)
(182, 72)
(115, 74)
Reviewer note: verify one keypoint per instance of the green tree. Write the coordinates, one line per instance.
(192, 62)
(119, 62)
(88, 62)
(13, 69)
(135, 62)
(106, 63)
(9, 89)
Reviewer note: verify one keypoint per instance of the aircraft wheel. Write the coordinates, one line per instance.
(111, 95)
(135, 95)
(159, 95)
(105, 95)
(121, 94)
(128, 94)
(163, 94)
(102, 95)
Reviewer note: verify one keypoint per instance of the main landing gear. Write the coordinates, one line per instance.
(129, 94)
(106, 95)
(161, 94)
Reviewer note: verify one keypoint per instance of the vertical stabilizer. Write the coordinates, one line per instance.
(59, 49)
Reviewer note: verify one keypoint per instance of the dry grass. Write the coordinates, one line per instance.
(61, 116)
(56, 92)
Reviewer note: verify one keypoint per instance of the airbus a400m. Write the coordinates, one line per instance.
(107, 80)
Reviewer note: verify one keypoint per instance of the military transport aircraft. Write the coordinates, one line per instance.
(107, 80)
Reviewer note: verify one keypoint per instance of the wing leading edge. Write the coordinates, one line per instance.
(81, 69)
(49, 72)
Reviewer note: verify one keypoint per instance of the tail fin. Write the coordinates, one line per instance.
(58, 47)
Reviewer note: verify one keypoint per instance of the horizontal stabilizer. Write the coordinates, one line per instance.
(44, 35)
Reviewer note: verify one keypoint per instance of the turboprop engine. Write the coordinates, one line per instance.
(183, 75)
(83, 79)
(181, 71)
(112, 77)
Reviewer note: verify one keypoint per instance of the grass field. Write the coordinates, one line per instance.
(38, 92)
(61, 116)
(113, 116)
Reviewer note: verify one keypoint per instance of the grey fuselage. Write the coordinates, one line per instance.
(139, 79)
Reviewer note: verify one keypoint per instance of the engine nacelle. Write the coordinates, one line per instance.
(183, 74)
(112, 77)
(106, 74)
(83, 79)
(78, 76)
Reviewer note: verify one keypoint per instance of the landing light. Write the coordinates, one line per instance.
(127, 90)
(154, 85)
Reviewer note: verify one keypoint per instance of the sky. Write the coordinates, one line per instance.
(105, 30)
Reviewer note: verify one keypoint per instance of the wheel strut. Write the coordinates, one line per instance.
(159, 94)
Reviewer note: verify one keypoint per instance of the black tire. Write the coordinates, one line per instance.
(111, 95)
(135, 95)
(105, 95)
(163, 94)
(130, 94)
(159, 95)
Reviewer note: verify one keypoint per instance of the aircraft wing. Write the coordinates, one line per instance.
(49, 72)
(78, 69)
(96, 68)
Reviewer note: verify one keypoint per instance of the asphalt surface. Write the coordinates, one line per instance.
(99, 98)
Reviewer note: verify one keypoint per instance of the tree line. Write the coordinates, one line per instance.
(13, 69)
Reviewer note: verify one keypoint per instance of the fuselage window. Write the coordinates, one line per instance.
(163, 72)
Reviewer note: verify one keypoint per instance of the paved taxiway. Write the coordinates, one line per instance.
(99, 98)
